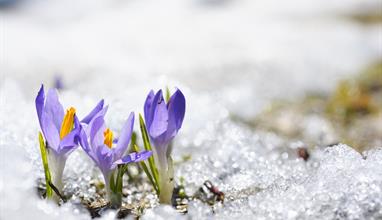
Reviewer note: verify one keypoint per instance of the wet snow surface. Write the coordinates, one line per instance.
(229, 57)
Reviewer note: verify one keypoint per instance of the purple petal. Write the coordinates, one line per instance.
(104, 157)
(147, 108)
(176, 111)
(84, 141)
(50, 131)
(85, 145)
(95, 110)
(77, 123)
(58, 83)
(160, 116)
(97, 126)
(54, 108)
(40, 99)
(99, 114)
(134, 157)
(68, 143)
(124, 137)
(160, 142)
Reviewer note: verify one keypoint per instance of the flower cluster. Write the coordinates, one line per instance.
(64, 132)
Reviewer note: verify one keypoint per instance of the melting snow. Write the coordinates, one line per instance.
(227, 58)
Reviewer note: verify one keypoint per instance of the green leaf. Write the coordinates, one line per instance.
(122, 169)
(168, 94)
(147, 145)
(146, 170)
(112, 183)
(119, 169)
(135, 148)
(133, 139)
(44, 158)
(145, 136)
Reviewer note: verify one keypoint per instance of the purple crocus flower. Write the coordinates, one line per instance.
(97, 141)
(58, 82)
(60, 130)
(163, 122)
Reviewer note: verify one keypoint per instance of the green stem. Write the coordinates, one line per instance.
(114, 195)
(166, 183)
(44, 158)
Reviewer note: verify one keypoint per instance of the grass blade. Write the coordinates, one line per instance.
(146, 170)
(168, 94)
(133, 139)
(121, 172)
(44, 157)
(112, 183)
(147, 145)
(144, 167)
(145, 136)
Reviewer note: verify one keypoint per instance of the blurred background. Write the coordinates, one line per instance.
(267, 62)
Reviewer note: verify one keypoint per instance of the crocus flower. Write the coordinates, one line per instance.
(58, 83)
(97, 142)
(60, 130)
(163, 122)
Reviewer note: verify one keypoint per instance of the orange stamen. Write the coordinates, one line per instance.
(108, 135)
(67, 123)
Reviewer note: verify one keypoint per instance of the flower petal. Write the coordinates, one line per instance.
(105, 158)
(124, 137)
(93, 113)
(85, 145)
(77, 123)
(160, 116)
(176, 111)
(54, 108)
(148, 107)
(134, 157)
(40, 99)
(68, 143)
(97, 126)
(50, 131)
(101, 113)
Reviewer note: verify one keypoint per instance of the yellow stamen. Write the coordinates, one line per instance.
(67, 123)
(108, 135)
